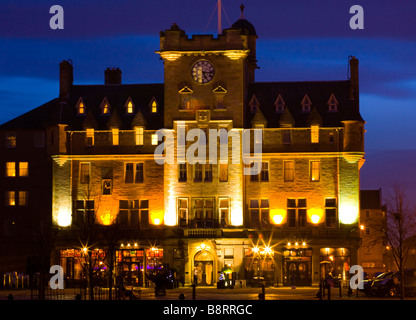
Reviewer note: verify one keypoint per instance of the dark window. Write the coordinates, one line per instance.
(182, 172)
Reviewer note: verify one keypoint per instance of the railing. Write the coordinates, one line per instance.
(202, 232)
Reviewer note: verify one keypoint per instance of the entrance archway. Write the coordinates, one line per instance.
(204, 268)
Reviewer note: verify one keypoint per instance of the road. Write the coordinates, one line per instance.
(212, 293)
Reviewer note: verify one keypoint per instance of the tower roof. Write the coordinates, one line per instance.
(244, 25)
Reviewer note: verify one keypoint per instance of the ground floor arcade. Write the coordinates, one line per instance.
(206, 261)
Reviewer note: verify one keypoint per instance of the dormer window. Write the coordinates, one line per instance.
(80, 107)
(279, 104)
(332, 104)
(185, 95)
(219, 93)
(153, 105)
(105, 107)
(306, 104)
(254, 104)
(129, 106)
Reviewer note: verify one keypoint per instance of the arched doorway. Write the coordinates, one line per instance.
(204, 268)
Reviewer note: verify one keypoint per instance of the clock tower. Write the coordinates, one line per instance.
(202, 72)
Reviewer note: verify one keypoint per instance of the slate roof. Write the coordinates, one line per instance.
(54, 112)
(319, 92)
(293, 93)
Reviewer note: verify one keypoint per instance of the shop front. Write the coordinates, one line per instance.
(130, 265)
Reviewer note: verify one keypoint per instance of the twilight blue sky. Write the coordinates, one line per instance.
(298, 40)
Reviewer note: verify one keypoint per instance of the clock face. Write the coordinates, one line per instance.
(202, 71)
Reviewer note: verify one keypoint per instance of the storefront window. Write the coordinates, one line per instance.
(335, 262)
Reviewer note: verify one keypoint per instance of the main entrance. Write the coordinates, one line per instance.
(297, 267)
(204, 264)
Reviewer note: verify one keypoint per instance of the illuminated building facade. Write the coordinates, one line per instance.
(291, 224)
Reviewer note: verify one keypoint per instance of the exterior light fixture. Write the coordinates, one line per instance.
(256, 249)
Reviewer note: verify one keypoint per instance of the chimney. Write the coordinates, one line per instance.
(66, 78)
(112, 76)
(354, 94)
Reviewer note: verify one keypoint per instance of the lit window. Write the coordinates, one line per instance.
(315, 170)
(289, 170)
(107, 186)
(84, 172)
(154, 140)
(81, 108)
(10, 169)
(129, 106)
(11, 139)
(105, 107)
(23, 198)
(23, 169)
(315, 134)
(138, 132)
(89, 137)
(115, 136)
(154, 106)
(10, 198)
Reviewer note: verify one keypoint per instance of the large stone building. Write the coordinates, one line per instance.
(93, 174)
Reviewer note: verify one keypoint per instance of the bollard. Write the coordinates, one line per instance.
(340, 289)
(182, 297)
(329, 291)
(263, 291)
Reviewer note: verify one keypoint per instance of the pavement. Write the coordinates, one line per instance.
(208, 293)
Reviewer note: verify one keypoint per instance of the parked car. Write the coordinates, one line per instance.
(368, 281)
(390, 285)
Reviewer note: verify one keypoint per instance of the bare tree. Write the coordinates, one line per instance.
(399, 232)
